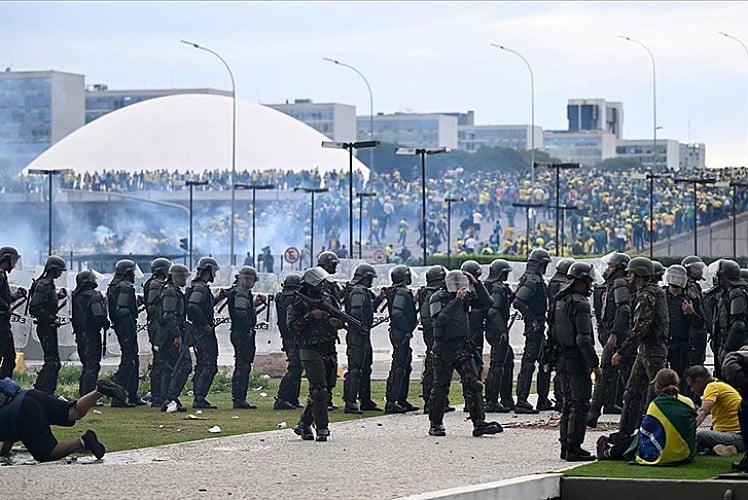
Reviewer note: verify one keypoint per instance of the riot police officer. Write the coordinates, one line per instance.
(531, 300)
(317, 332)
(243, 334)
(43, 305)
(557, 281)
(361, 304)
(89, 319)
(647, 338)
(171, 338)
(200, 304)
(401, 306)
(570, 320)
(614, 324)
(123, 312)
(734, 307)
(449, 317)
(290, 384)
(151, 292)
(476, 315)
(497, 332)
(329, 262)
(695, 271)
(434, 281)
(9, 257)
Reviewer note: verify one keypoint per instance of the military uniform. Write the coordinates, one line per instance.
(571, 330)
(7, 347)
(557, 281)
(683, 332)
(497, 335)
(151, 292)
(427, 373)
(531, 299)
(359, 303)
(316, 343)
(43, 306)
(243, 337)
(123, 311)
(172, 344)
(89, 318)
(290, 384)
(402, 310)
(199, 301)
(648, 334)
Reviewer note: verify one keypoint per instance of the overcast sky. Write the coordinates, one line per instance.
(417, 56)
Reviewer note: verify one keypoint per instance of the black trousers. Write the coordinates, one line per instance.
(46, 379)
(89, 352)
(206, 364)
(129, 364)
(357, 383)
(178, 368)
(501, 351)
(398, 380)
(450, 356)
(576, 387)
(290, 384)
(244, 355)
(7, 349)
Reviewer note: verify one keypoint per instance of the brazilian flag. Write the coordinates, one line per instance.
(667, 435)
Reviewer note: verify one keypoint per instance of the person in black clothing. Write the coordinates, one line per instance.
(497, 332)
(476, 315)
(401, 306)
(317, 332)
(329, 262)
(9, 257)
(695, 270)
(449, 317)
(243, 335)
(361, 304)
(171, 338)
(89, 319)
(531, 299)
(290, 384)
(200, 303)
(43, 305)
(151, 292)
(123, 312)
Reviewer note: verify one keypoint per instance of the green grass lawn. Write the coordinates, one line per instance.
(703, 467)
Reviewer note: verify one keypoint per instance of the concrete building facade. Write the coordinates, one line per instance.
(336, 121)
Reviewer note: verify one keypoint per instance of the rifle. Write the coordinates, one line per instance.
(332, 311)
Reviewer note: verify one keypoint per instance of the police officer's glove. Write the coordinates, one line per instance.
(317, 313)
(260, 299)
(336, 323)
(20, 292)
(62, 293)
(611, 342)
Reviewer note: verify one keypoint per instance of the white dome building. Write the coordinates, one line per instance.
(192, 132)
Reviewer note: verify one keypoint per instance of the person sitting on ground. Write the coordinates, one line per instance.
(722, 401)
(667, 435)
(26, 416)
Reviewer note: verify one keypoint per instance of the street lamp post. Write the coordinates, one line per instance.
(350, 146)
(361, 197)
(449, 226)
(422, 152)
(371, 105)
(695, 182)
(233, 142)
(654, 97)
(313, 191)
(254, 188)
(735, 185)
(192, 184)
(742, 44)
(527, 206)
(49, 173)
(563, 209)
(558, 167)
(532, 106)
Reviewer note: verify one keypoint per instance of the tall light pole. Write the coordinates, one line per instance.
(532, 107)
(192, 184)
(254, 188)
(449, 226)
(735, 185)
(558, 167)
(654, 97)
(361, 197)
(350, 146)
(422, 152)
(49, 173)
(313, 191)
(371, 105)
(527, 206)
(233, 141)
(745, 49)
(695, 182)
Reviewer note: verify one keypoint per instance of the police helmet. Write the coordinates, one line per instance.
(729, 269)
(9, 253)
(400, 275)
(179, 274)
(327, 260)
(456, 280)
(292, 280)
(435, 275)
(160, 266)
(618, 260)
(248, 272)
(676, 275)
(497, 268)
(641, 266)
(539, 255)
(472, 267)
(744, 274)
(124, 266)
(659, 269)
(362, 272)
(86, 276)
(208, 263)
(55, 263)
(314, 276)
(563, 265)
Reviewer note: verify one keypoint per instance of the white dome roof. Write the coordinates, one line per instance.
(193, 132)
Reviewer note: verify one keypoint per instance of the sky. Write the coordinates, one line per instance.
(418, 57)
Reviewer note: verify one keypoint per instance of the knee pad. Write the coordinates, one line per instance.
(354, 372)
(477, 386)
(319, 393)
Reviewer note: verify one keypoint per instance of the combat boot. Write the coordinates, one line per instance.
(578, 455)
(282, 404)
(592, 418)
(392, 408)
(612, 410)
(524, 407)
(508, 403)
(544, 405)
(741, 466)
(244, 405)
(484, 428)
(496, 408)
(409, 407)
(448, 408)
(203, 403)
(352, 408)
(369, 406)
(322, 435)
(437, 430)
(304, 431)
